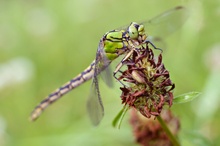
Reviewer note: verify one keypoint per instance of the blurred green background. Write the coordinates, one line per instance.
(43, 44)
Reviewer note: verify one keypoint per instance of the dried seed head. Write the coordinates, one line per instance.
(149, 131)
(149, 83)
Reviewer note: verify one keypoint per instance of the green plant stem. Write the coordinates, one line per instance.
(168, 132)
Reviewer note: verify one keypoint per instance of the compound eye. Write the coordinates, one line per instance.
(140, 28)
(133, 32)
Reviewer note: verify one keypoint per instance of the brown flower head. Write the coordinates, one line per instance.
(148, 83)
(148, 132)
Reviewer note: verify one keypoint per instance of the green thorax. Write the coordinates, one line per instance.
(117, 42)
(114, 41)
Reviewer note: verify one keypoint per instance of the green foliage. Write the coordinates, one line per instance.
(187, 97)
(119, 117)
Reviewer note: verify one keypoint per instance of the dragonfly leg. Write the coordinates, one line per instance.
(149, 42)
(118, 67)
(118, 70)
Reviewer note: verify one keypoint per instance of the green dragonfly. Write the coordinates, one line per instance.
(113, 44)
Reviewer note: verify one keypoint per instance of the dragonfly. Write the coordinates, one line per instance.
(115, 43)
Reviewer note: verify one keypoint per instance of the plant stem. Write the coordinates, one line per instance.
(168, 132)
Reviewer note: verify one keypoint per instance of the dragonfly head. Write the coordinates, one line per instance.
(136, 31)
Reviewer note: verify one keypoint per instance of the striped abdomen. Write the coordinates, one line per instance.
(75, 82)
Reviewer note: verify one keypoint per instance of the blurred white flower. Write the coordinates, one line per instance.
(15, 71)
(212, 59)
(40, 22)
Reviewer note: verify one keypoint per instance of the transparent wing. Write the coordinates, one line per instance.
(107, 73)
(161, 26)
(166, 23)
(94, 105)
